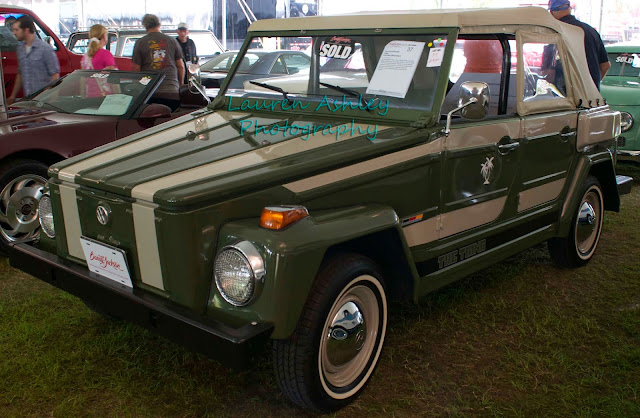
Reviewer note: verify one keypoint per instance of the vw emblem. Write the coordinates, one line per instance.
(103, 213)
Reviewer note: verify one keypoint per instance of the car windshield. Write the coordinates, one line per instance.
(107, 93)
(624, 64)
(399, 70)
(206, 44)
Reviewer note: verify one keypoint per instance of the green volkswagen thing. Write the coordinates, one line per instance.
(621, 89)
(295, 208)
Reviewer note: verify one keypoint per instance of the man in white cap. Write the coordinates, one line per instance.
(188, 47)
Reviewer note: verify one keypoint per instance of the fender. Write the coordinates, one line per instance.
(599, 164)
(294, 255)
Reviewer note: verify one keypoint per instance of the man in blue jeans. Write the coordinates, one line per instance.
(37, 62)
(597, 58)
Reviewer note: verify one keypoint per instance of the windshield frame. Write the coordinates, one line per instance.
(150, 88)
(397, 115)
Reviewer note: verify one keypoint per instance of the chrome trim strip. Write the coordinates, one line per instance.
(71, 216)
(144, 224)
(545, 178)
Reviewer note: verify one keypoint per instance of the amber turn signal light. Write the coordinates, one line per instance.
(279, 217)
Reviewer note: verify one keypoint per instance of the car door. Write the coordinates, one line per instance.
(479, 168)
(549, 124)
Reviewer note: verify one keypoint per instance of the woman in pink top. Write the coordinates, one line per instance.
(98, 58)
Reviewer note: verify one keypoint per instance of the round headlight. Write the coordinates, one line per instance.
(305, 9)
(45, 216)
(626, 121)
(238, 271)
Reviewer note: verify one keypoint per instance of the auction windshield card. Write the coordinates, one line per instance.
(395, 69)
(114, 105)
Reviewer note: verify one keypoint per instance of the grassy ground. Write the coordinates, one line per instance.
(521, 338)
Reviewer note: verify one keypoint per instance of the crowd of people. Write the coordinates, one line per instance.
(38, 65)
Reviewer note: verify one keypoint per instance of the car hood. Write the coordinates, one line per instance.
(209, 155)
(27, 118)
(621, 90)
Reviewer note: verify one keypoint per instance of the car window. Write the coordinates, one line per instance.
(79, 45)
(206, 44)
(624, 64)
(479, 60)
(45, 36)
(296, 63)
(112, 43)
(8, 42)
(543, 72)
(129, 43)
(279, 67)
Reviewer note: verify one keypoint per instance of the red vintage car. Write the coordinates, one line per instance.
(77, 113)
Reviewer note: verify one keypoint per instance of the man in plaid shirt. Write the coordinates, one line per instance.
(37, 62)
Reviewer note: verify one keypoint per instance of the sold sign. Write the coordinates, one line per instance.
(337, 47)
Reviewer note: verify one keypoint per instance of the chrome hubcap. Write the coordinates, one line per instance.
(588, 223)
(19, 208)
(349, 336)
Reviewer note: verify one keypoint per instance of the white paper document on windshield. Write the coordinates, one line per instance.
(395, 69)
(114, 105)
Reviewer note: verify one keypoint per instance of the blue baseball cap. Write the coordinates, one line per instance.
(558, 5)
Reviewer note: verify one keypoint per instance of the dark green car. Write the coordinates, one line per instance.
(621, 89)
(295, 208)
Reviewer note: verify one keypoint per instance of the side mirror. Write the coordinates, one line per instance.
(195, 82)
(480, 107)
(473, 102)
(155, 111)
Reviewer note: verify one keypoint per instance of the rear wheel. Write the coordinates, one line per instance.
(21, 185)
(578, 248)
(335, 348)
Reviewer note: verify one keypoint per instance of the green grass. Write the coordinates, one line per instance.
(521, 338)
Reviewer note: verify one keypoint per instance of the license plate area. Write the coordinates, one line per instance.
(107, 261)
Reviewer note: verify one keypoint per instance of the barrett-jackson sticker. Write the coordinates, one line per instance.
(337, 47)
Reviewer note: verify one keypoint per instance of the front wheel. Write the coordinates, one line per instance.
(586, 225)
(21, 186)
(335, 348)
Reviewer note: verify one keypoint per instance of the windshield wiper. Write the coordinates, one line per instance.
(270, 87)
(351, 93)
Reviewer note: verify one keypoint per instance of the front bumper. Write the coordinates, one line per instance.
(232, 347)
(624, 184)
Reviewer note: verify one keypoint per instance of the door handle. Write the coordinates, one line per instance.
(566, 135)
(507, 148)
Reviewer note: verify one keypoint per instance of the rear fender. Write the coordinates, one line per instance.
(599, 165)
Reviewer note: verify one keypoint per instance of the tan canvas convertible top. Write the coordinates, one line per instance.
(529, 22)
